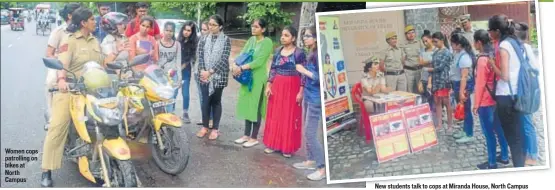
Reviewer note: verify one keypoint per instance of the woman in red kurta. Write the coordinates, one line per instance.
(283, 127)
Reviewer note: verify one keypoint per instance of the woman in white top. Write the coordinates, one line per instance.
(507, 68)
(169, 57)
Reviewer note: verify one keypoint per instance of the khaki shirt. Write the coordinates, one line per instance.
(392, 58)
(370, 82)
(412, 50)
(54, 41)
(77, 50)
(470, 37)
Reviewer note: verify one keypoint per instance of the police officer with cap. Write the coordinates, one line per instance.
(467, 31)
(412, 51)
(392, 61)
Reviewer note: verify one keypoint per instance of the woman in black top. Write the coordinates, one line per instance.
(188, 39)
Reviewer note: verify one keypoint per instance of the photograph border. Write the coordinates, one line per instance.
(439, 5)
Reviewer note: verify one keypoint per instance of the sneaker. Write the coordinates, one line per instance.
(241, 140)
(249, 144)
(186, 118)
(504, 162)
(486, 166)
(459, 134)
(305, 165)
(199, 122)
(268, 151)
(316, 176)
(465, 139)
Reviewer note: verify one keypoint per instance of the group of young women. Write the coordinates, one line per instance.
(491, 75)
(279, 94)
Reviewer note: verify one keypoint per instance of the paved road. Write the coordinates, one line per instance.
(212, 164)
(351, 158)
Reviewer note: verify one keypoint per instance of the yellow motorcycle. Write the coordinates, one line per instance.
(148, 121)
(96, 110)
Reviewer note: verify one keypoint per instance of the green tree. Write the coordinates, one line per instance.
(270, 11)
(188, 10)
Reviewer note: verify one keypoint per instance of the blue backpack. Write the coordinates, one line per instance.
(245, 78)
(528, 94)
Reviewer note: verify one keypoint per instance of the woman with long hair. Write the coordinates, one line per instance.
(282, 131)
(312, 108)
(507, 67)
(75, 50)
(484, 104)
(169, 56)
(203, 33)
(462, 80)
(188, 41)
(441, 87)
(250, 102)
(214, 51)
(142, 43)
(425, 61)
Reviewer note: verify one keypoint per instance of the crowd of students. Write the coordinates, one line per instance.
(467, 65)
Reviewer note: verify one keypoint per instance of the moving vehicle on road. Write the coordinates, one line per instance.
(43, 24)
(94, 142)
(148, 121)
(16, 19)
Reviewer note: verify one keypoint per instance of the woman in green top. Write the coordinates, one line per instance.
(250, 105)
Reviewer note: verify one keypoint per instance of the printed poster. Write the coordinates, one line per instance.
(420, 127)
(337, 93)
(389, 134)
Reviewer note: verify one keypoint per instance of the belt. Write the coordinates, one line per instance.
(412, 68)
(394, 72)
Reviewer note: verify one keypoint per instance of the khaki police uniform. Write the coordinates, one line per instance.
(412, 67)
(393, 61)
(469, 35)
(76, 50)
(53, 41)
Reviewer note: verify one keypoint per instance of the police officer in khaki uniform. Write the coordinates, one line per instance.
(75, 50)
(392, 61)
(412, 51)
(53, 49)
(468, 31)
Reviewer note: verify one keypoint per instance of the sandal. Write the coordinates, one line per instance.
(287, 155)
(268, 151)
(213, 135)
(202, 132)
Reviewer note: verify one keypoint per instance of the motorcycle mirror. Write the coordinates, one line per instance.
(115, 65)
(53, 63)
(140, 59)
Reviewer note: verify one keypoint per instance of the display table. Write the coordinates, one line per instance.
(395, 100)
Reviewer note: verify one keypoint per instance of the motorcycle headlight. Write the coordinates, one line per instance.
(109, 110)
(165, 92)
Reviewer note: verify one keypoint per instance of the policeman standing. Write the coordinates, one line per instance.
(412, 51)
(468, 31)
(392, 62)
(75, 50)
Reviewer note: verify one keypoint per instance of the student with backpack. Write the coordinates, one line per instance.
(530, 136)
(484, 103)
(517, 90)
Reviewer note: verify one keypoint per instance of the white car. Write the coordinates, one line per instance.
(178, 24)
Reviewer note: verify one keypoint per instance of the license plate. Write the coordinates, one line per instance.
(160, 104)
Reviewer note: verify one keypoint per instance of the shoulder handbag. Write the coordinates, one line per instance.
(245, 78)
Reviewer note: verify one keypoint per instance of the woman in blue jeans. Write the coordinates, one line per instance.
(188, 39)
(530, 135)
(484, 104)
(312, 108)
(462, 78)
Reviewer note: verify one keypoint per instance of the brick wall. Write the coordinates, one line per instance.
(423, 19)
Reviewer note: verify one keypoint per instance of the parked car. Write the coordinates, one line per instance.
(178, 24)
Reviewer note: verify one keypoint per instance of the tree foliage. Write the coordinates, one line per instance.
(184, 9)
(269, 11)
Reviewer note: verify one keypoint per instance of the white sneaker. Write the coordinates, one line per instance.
(241, 140)
(249, 144)
(304, 166)
(316, 176)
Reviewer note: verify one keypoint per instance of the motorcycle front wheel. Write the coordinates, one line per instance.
(126, 176)
(173, 159)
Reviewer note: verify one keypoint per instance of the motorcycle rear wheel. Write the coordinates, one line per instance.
(175, 157)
